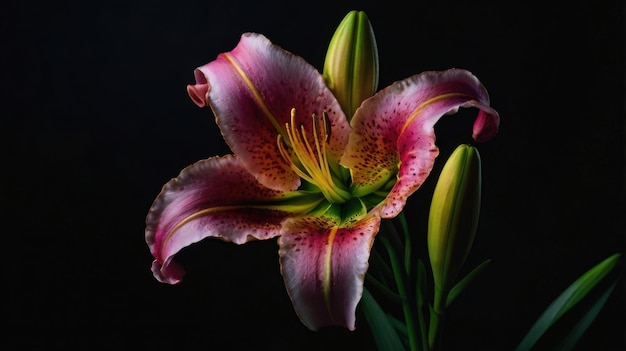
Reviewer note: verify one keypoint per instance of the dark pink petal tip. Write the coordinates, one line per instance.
(486, 124)
(198, 93)
(169, 273)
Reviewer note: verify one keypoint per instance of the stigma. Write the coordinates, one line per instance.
(307, 156)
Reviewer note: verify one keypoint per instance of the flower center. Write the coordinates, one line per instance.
(307, 157)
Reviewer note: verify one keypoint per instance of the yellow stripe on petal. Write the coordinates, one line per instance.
(425, 104)
(286, 206)
(327, 268)
(255, 93)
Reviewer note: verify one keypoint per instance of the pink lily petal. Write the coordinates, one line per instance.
(210, 198)
(395, 127)
(252, 90)
(324, 267)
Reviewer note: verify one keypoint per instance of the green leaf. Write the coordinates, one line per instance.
(385, 335)
(572, 338)
(400, 327)
(568, 299)
(458, 287)
(378, 265)
(393, 296)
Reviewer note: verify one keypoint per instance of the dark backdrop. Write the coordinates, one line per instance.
(95, 119)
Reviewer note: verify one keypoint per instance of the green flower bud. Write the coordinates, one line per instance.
(453, 216)
(351, 64)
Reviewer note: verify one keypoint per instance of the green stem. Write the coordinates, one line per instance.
(399, 274)
(408, 265)
(422, 320)
(423, 329)
(437, 316)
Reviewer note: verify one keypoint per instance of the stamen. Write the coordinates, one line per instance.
(308, 158)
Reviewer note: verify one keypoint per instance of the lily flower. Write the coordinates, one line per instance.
(304, 172)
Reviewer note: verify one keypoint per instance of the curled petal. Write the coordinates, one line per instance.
(486, 124)
(211, 198)
(252, 90)
(393, 131)
(199, 93)
(324, 266)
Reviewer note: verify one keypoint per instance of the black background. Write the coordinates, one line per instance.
(95, 119)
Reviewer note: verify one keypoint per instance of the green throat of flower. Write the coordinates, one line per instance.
(309, 159)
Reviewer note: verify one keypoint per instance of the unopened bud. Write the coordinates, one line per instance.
(454, 213)
(351, 64)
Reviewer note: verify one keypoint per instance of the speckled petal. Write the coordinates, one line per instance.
(324, 267)
(393, 130)
(210, 198)
(252, 90)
